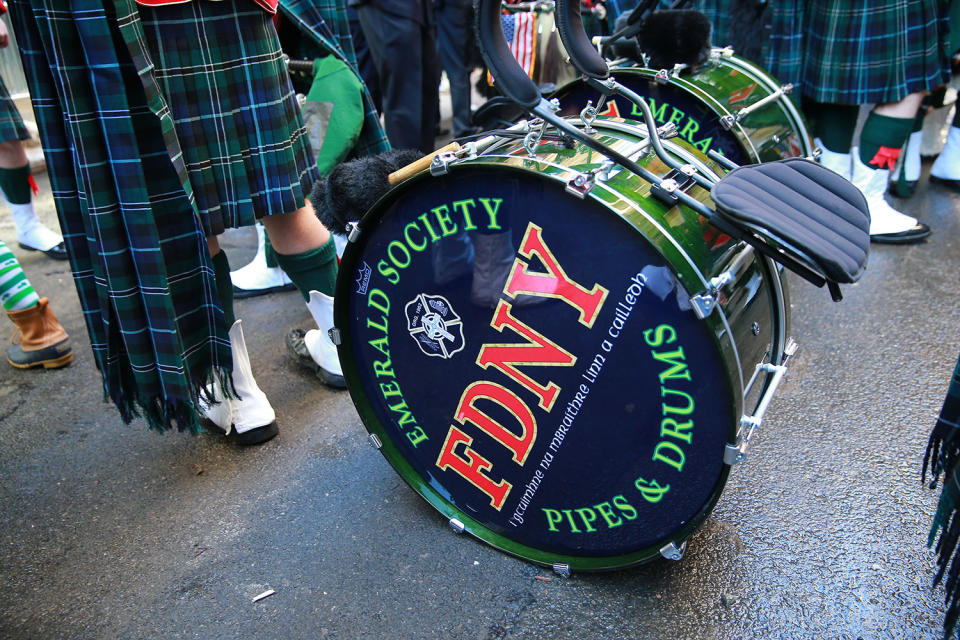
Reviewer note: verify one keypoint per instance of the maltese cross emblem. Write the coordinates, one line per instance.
(437, 329)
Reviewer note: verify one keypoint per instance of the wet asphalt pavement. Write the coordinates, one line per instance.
(111, 531)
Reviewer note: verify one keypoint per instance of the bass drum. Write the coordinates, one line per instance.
(727, 104)
(530, 361)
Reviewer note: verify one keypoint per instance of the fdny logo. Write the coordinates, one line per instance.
(434, 325)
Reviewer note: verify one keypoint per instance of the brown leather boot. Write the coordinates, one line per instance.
(40, 339)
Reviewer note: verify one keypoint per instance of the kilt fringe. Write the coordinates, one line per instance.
(942, 459)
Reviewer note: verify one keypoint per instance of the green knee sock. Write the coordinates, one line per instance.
(268, 252)
(16, 293)
(835, 124)
(15, 184)
(882, 138)
(918, 121)
(221, 273)
(315, 269)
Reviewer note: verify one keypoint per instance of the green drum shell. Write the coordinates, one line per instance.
(726, 85)
(743, 325)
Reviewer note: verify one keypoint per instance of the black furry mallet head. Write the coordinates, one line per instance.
(353, 187)
(675, 37)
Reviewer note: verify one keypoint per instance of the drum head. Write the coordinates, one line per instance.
(531, 366)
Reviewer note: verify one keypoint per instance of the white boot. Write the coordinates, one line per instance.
(946, 168)
(909, 167)
(887, 225)
(313, 348)
(248, 418)
(257, 278)
(836, 162)
(33, 235)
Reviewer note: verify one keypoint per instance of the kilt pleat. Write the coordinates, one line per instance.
(11, 124)
(220, 70)
(847, 51)
(137, 249)
(873, 52)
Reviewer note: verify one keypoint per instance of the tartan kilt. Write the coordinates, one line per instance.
(873, 52)
(234, 109)
(779, 34)
(137, 251)
(11, 124)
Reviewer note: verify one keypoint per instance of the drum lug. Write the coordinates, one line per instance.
(716, 54)
(733, 455)
(353, 232)
(728, 121)
(440, 165)
(456, 525)
(669, 130)
(704, 303)
(672, 551)
(562, 570)
(662, 77)
(335, 337)
(581, 185)
(375, 441)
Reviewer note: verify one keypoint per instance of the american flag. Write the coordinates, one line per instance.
(520, 29)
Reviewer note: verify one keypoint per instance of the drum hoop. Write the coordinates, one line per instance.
(432, 496)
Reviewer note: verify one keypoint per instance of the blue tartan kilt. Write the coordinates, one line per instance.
(236, 115)
(873, 52)
(11, 124)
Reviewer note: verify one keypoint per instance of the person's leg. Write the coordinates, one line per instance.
(306, 251)
(833, 128)
(453, 38)
(261, 275)
(904, 182)
(884, 133)
(395, 48)
(243, 414)
(15, 183)
(946, 168)
(42, 341)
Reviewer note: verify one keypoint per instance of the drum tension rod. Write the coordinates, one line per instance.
(729, 120)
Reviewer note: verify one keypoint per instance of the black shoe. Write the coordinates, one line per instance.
(903, 189)
(299, 352)
(257, 435)
(947, 182)
(58, 252)
(912, 235)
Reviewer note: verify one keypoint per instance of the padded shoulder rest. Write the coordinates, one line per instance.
(804, 209)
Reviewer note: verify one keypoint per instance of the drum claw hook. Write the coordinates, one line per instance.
(588, 115)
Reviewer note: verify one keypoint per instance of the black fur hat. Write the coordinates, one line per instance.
(675, 37)
(353, 187)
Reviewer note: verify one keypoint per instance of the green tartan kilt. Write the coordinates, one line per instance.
(873, 52)
(11, 124)
(780, 36)
(239, 126)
